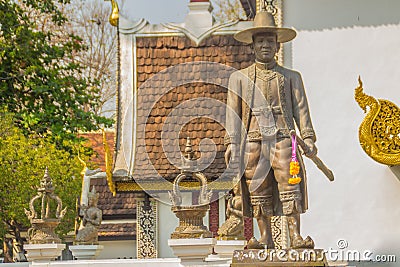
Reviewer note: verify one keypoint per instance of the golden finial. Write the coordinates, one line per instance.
(114, 17)
(360, 84)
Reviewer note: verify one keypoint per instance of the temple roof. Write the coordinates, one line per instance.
(117, 231)
(122, 206)
(119, 212)
(155, 103)
(173, 85)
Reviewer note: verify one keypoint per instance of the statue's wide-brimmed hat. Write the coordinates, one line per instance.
(264, 22)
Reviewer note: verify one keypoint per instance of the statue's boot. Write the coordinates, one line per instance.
(253, 243)
(296, 241)
(264, 225)
(292, 207)
(262, 211)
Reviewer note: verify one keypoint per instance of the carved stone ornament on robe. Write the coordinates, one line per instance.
(91, 220)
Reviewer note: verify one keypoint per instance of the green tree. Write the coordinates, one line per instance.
(45, 84)
(226, 10)
(40, 73)
(23, 161)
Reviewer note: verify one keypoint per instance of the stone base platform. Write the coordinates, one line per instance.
(161, 262)
(43, 252)
(225, 248)
(85, 252)
(192, 251)
(281, 257)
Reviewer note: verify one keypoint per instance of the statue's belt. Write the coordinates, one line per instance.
(275, 110)
(256, 136)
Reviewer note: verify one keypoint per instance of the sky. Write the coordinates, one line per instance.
(156, 11)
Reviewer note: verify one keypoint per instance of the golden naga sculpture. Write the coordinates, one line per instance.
(114, 17)
(379, 133)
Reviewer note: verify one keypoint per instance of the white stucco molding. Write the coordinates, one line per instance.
(142, 28)
(198, 25)
(127, 26)
(89, 174)
(197, 34)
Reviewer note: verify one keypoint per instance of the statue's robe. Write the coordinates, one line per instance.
(279, 94)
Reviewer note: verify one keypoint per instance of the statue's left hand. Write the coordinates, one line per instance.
(312, 148)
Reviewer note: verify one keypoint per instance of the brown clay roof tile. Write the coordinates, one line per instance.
(159, 53)
(123, 205)
(119, 230)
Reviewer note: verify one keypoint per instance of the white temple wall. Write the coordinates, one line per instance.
(122, 249)
(337, 41)
(167, 222)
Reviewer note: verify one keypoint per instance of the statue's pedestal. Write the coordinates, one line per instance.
(225, 248)
(192, 250)
(340, 264)
(43, 252)
(279, 257)
(86, 252)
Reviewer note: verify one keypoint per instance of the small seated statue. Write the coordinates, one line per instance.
(232, 228)
(91, 220)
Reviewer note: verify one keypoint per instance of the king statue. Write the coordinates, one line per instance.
(266, 103)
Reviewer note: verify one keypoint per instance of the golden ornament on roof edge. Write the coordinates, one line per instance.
(379, 133)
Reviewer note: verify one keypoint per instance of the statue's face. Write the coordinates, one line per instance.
(265, 46)
(92, 201)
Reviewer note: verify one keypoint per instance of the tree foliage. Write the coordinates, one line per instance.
(226, 10)
(23, 161)
(51, 80)
(41, 77)
(89, 20)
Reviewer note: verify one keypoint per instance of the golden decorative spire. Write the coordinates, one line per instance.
(114, 17)
(379, 133)
(109, 164)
